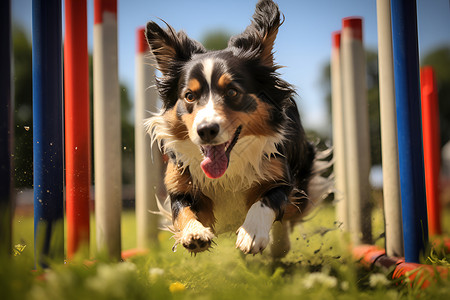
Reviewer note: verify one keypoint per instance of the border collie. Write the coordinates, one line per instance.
(238, 156)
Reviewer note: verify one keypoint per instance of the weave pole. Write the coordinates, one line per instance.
(47, 132)
(407, 96)
(356, 130)
(77, 127)
(388, 122)
(338, 133)
(431, 147)
(148, 160)
(107, 130)
(6, 131)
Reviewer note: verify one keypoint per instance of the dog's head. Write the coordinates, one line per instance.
(216, 98)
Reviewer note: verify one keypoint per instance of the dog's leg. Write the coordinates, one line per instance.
(253, 235)
(280, 242)
(194, 228)
(192, 212)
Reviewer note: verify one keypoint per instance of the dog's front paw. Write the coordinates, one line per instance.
(195, 237)
(253, 235)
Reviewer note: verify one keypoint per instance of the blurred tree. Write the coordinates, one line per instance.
(372, 98)
(23, 151)
(128, 167)
(23, 113)
(216, 39)
(439, 59)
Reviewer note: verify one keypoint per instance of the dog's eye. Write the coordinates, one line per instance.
(232, 93)
(189, 97)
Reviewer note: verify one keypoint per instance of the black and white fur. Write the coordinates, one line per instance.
(238, 156)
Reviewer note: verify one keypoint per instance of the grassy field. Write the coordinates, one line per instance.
(319, 266)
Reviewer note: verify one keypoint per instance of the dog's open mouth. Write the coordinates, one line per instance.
(217, 157)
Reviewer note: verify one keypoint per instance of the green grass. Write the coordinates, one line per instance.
(319, 266)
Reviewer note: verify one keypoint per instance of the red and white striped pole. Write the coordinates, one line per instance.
(338, 132)
(431, 147)
(147, 159)
(107, 130)
(77, 127)
(356, 129)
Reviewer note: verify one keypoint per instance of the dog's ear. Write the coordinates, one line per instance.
(259, 37)
(170, 47)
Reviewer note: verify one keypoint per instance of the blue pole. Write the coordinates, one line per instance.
(47, 132)
(409, 126)
(6, 130)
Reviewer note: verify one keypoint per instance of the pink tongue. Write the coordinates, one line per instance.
(215, 162)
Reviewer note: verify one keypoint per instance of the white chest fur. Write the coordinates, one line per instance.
(247, 167)
(228, 193)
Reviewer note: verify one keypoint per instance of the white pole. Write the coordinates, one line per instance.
(388, 119)
(338, 133)
(356, 130)
(107, 131)
(148, 160)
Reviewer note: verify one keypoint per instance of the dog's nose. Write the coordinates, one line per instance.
(208, 131)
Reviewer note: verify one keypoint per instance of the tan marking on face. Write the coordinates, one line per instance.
(194, 85)
(188, 120)
(253, 123)
(206, 114)
(224, 81)
(176, 127)
(256, 122)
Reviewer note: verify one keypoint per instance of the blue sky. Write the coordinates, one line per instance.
(303, 44)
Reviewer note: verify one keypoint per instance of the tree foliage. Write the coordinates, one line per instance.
(372, 98)
(23, 113)
(439, 59)
(216, 40)
(23, 139)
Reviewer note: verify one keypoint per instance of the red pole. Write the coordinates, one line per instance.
(431, 147)
(77, 127)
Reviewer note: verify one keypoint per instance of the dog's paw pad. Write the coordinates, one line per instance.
(195, 237)
(196, 245)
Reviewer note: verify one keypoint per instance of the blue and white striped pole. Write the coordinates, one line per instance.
(47, 132)
(407, 94)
